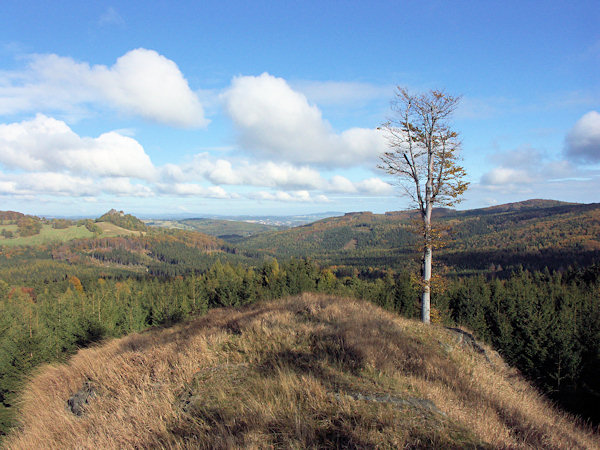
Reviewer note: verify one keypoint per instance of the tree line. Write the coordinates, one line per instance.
(51, 321)
(547, 324)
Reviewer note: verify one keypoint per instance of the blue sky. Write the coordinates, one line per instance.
(272, 107)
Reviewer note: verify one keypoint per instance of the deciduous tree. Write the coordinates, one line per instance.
(423, 157)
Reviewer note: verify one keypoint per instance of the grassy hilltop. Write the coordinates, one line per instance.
(310, 371)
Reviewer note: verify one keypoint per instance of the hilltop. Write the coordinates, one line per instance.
(120, 219)
(308, 371)
(17, 229)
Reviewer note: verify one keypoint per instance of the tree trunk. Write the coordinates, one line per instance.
(426, 295)
(427, 251)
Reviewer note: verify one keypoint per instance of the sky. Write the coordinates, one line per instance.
(271, 107)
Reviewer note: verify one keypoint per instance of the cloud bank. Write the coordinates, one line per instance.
(48, 158)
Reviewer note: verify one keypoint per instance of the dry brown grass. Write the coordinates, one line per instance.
(308, 371)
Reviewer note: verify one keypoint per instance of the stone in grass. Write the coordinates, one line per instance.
(76, 403)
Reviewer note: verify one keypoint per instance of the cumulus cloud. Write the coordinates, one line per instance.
(583, 141)
(276, 122)
(268, 174)
(505, 175)
(342, 184)
(141, 82)
(374, 186)
(47, 144)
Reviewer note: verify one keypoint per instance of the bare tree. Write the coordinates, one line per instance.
(423, 157)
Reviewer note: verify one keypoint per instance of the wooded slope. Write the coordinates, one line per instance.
(533, 234)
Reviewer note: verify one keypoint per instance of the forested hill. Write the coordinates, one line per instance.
(10, 216)
(533, 234)
(120, 219)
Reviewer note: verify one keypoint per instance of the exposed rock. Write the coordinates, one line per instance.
(468, 341)
(406, 402)
(76, 403)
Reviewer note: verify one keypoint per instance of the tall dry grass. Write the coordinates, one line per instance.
(307, 371)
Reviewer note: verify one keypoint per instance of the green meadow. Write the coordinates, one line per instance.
(47, 235)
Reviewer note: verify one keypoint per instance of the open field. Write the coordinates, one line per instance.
(47, 235)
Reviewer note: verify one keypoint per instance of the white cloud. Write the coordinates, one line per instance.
(583, 141)
(8, 187)
(123, 187)
(505, 175)
(192, 189)
(141, 82)
(276, 122)
(268, 174)
(42, 184)
(47, 144)
(57, 161)
(49, 183)
(221, 171)
(375, 186)
(526, 170)
(341, 184)
(293, 196)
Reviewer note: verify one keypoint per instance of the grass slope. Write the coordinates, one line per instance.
(47, 235)
(50, 235)
(303, 372)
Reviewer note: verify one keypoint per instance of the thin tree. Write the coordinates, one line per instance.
(423, 156)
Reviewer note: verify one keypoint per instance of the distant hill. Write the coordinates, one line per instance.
(230, 230)
(158, 252)
(527, 204)
(10, 216)
(534, 234)
(311, 371)
(18, 229)
(123, 220)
